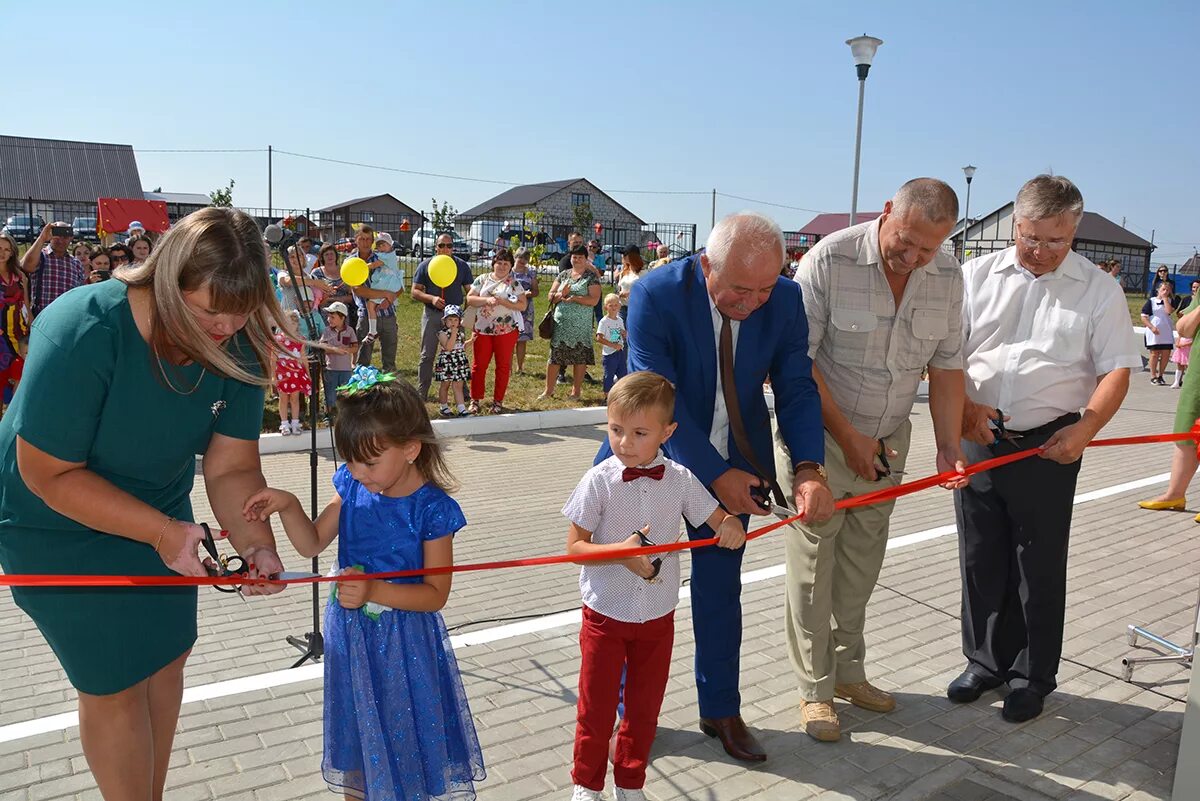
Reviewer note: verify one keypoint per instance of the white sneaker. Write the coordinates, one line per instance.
(630, 795)
(581, 793)
(296, 427)
(284, 428)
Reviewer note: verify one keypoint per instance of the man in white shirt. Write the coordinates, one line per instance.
(884, 302)
(1045, 334)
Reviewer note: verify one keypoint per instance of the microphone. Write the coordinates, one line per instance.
(273, 234)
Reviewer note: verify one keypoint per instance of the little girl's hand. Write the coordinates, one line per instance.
(264, 503)
(353, 594)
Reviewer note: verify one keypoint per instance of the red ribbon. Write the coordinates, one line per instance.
(878, 496)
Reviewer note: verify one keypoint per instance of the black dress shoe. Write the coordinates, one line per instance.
(1022, 705)
(969, 686)
(737, 740)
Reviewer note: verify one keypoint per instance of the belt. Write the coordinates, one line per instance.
(1049, 428)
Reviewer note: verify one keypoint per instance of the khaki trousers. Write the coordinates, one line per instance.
(832, 568)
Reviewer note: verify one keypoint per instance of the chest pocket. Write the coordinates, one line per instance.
(1061, 335)
(855, 337)
(928, 327)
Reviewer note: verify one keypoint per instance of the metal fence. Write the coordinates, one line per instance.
(414, 232)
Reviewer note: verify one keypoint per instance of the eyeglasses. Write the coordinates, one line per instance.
(443, 244)
(1034, 244)
(118, 257)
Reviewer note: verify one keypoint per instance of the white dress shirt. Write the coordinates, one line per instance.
(718, 435)
(1036, 346)
(612, 509)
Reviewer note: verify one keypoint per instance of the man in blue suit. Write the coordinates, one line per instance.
(682, 316)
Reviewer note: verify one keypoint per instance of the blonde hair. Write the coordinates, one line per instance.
(643, 391)
(221, 249)
(611, 297)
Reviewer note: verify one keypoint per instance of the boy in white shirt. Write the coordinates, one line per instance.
(629, 603)
(610, 333)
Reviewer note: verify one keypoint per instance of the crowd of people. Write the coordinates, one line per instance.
(1024, 348)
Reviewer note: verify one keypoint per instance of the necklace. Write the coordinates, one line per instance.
(159, 360)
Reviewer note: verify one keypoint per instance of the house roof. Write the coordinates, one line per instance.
(826, 224)
(183, 198)
(1093, 227)
(353, 201)
(530, 194)
(57, 169)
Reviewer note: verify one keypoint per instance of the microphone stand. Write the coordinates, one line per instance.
(312, 644)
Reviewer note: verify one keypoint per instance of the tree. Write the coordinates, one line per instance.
(443, 218)
(582, 214)
(222, 197)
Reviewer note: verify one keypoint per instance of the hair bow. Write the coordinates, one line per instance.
(363, 378)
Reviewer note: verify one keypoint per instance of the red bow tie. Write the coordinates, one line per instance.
(656, 472)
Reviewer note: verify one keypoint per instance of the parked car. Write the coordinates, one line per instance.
(24, 228)
(85, 229)
(423, 242)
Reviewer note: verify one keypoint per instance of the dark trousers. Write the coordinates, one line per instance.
(386, 328)
(614, 368)
(717, 624)
(1014, 524)
(431, 324)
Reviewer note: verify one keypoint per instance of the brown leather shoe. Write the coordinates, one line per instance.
(865, 695)
(737, 740)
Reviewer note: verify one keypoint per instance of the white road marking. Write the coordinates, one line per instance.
(279, 678)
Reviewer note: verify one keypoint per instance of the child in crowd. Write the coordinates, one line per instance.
(1180, 356)
(386, 275)
(526, 277)
(397, 723)
(341, 344)
(291, 379)
(610, 333)
(302, 293)
(629, 602)
(452, 367)
(1160, 331)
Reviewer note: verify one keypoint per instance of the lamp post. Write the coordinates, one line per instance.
(968, 171)
(863, 49)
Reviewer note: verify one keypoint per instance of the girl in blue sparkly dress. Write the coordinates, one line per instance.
(397, 724)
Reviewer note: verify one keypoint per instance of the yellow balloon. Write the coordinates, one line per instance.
(442, 270)
(354, 271)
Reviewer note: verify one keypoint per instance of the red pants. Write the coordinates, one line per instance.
(485, 345)
(644, 650)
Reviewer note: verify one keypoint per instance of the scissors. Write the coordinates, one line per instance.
(655, 563)
(883, 460)
(234, 566)
(1001, 432)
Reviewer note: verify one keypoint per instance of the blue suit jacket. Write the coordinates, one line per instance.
(671, 333)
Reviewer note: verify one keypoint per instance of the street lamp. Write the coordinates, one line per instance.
(863, 49)
(968, 171)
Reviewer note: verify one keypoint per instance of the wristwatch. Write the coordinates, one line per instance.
(817, 467)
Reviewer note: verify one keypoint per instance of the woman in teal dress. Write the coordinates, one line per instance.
(126, 381)
(574, 293)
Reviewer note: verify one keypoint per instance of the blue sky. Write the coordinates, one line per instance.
(756, 99)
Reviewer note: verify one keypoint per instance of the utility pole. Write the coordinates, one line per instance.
(714, 210)
(270, 199)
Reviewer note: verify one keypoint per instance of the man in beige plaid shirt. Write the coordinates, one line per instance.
(884, 302)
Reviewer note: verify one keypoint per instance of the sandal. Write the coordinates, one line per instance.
(446, 411)
(473, 407)
(544, 397)
(495, 408)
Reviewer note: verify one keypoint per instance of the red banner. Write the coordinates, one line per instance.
(879, 496)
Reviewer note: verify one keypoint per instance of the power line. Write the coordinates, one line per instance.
(769, 203)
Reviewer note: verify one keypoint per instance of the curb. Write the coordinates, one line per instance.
(462, 427)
